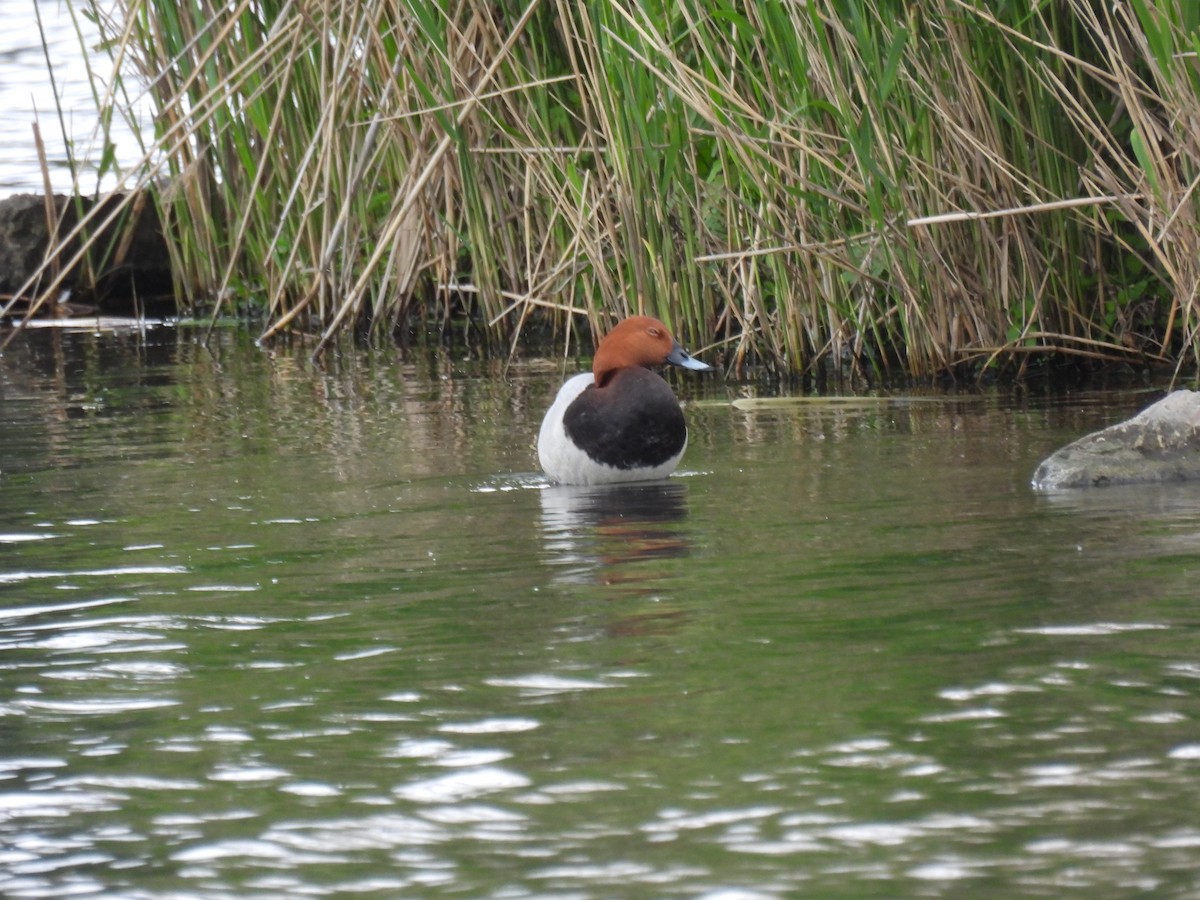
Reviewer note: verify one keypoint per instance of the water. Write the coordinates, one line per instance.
(268, 631)
(28, 96)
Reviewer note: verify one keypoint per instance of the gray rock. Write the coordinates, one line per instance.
(142, 271)
(1159, 444)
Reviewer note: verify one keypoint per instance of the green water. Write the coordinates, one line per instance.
(274, 631)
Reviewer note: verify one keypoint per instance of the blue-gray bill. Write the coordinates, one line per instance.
(680, 357)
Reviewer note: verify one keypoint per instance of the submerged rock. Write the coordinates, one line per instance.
(1161, 443)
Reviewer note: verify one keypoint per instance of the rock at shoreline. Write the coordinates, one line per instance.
(142, 274)
(1161, 443)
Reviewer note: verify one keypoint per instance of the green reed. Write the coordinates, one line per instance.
(874, 184)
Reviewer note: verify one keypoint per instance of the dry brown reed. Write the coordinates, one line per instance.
(895, 187)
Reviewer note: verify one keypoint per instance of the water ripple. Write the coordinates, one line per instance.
(17, 577)
(1092, 629)
(464, 785)
(311, 789)
(247, 773)
(56, 803)
(547, 685)
(244, 848)
(98, 706)
(108, 641)
(497, 725)
(20, 763)
(383, 831)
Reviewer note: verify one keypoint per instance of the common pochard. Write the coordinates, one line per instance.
(619, 422)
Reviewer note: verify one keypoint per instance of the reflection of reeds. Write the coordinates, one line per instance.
(899, 186)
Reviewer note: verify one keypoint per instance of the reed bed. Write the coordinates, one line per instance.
(902, 188)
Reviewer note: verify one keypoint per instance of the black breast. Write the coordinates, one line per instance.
(632, 422)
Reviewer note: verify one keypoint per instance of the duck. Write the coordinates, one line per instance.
(619, 422)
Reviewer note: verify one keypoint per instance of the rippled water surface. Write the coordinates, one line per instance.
(52, 87)
(272, 631)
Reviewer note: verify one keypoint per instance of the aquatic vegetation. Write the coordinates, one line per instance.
(896, 187)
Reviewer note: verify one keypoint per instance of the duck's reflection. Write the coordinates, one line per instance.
(600, 534)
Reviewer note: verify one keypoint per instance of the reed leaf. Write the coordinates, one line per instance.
(865, 186)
